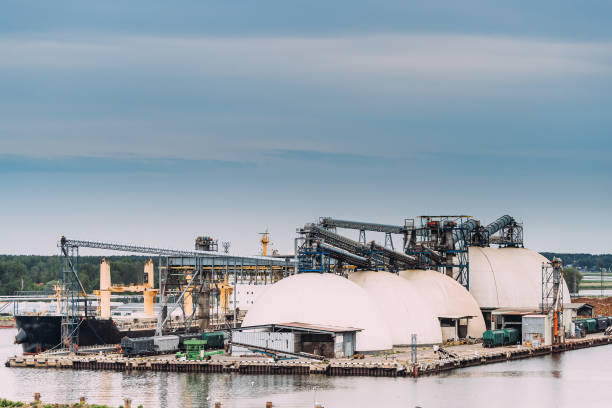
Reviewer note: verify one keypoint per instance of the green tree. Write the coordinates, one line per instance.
(572, 278)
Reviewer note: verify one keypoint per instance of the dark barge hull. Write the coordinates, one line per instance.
(40, 333)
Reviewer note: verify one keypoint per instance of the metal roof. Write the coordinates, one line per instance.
(576, 305)
(302, 327)
(515, 311)
(456, 317)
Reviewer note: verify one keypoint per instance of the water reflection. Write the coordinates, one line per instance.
(570, 379)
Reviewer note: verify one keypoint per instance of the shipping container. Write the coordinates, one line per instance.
(166, 344)
(591, 325)
(213, 339)
(493, 338)
(137, 346)
(602, 323)
(511, 336)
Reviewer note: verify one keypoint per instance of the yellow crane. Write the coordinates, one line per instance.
(265, 240)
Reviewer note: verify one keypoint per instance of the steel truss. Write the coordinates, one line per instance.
(194, 275)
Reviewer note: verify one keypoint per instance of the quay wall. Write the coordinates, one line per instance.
(386, 368)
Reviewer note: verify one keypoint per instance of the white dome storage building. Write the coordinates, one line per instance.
(405, 309)
(507, 277)
(322, 299)
(446, 298)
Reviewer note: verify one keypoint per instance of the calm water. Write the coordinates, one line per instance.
(576, 379)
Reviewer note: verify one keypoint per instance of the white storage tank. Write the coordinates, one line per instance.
(322, 299)
(507, 277)
(446, 298)
(405, 308)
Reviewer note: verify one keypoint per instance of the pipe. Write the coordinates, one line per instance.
(498, 224)
(464, 232)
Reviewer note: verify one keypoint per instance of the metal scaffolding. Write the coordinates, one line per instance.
(186, 278)
(441, 242)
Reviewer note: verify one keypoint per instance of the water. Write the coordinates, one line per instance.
(575, 379)
(595, 292)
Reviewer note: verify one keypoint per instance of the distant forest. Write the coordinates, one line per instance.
(583, 261)
(33, 272)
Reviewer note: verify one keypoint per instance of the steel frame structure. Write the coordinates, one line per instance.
(552, 296)
(179, 273)
(441, 242)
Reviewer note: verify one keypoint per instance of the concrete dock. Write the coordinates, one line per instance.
(396, 363)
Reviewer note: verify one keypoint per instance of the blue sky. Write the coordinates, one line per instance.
(152, 123)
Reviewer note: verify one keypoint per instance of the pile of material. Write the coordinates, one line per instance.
(601, 306)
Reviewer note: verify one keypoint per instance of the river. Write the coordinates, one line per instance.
(579, 378)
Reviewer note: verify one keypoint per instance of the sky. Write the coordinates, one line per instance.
(151, 122)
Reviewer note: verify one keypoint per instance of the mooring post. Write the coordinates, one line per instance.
(37, 397)
(217, 405)
(127, 403)
(269, 404)
(82, 401)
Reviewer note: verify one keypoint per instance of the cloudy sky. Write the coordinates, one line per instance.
(153, 122)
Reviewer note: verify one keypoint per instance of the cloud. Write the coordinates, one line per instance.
(337, 58)
(105, 165)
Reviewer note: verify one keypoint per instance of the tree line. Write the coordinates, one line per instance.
(35, 272)
(40, 273)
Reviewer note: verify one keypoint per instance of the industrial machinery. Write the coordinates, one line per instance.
(206, 244)
(186, 281)
(319, 249)
(430, 242)
(552, 297)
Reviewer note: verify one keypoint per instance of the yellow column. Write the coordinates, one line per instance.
(105, 284)
(149, 297)
(149, 274)
(187, 299)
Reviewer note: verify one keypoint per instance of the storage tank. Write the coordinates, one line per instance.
(405, 309)
(446, 298)
(507, 277)
(326, 300)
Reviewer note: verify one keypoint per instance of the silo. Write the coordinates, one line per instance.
(322, 299)
(405, 309)
(507, 277)
(446, 298)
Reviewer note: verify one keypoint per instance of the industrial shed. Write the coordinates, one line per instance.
(295, 339)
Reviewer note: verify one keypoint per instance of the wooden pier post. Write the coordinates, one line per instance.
(82, 401)
(127, 403)
(37, 397)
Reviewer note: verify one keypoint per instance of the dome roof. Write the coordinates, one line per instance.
(507, 277)
(323, 299)
(405, 309)
(446, 297)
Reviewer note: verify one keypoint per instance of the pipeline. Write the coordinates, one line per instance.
(465, 231)
(344, 255)
(498, 224)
